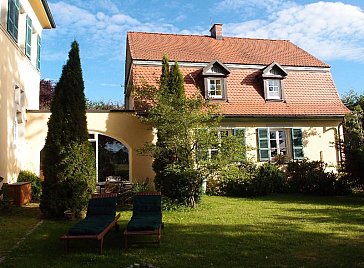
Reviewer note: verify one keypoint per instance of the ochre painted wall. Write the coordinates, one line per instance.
(318, 137)
(122, 126)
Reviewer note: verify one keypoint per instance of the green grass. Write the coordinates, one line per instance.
(273, 231)
(15, 223)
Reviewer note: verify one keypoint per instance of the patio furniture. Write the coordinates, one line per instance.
(100, 218)
(146, 219)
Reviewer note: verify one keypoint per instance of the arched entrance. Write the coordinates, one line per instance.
(112, 157)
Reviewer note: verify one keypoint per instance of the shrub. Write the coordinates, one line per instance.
(25, 175)
(183, 186)
(309, 177)
(269, 179)
(236, 181)
(75, 181)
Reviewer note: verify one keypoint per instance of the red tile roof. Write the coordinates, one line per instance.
(198, 48)
(307, 92)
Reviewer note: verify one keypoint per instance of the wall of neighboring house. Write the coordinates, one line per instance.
(19, 86)
(122, 126)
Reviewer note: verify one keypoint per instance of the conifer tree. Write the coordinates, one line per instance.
(69, 160)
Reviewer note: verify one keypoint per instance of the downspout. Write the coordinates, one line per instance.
(340, 142)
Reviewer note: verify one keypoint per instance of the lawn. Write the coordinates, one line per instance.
(272, 231)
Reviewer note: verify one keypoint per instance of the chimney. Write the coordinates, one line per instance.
(216, 31)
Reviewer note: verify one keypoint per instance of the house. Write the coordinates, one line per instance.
(21, 25)
(282, 97)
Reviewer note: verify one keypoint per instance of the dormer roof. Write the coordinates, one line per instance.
(274, 70)
(215, 68)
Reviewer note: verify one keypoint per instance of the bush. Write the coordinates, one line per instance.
(248, 180)
(73, 181)
(309, 177)
(183, 186)
(25, 175)
(270, 179)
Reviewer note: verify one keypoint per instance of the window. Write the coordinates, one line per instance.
(38, 51)
(223, 142)
(274, 143)
(278, 143)
(215, 88)
(274, 89)
(273, 76)
(215, 76)
(28, 37)
(13, 18)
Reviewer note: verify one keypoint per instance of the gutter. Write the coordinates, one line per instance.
(260, 117)
(49, 13)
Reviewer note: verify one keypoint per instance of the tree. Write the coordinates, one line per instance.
(181, 125)
(46, 93)
(69, 160)
(354, 139)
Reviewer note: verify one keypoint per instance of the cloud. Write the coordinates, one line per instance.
(250, 8)
(102, 34)
(328, 30)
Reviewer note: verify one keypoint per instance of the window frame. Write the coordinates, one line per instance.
(209, 91)
(215, 71)
(274, 73)
(277, 139)
(39, 45)
(28, 37)
(12, 24)
(293, 141)
(277, 84)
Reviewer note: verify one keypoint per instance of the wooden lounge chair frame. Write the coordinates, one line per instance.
(156, 232)
(99, 237)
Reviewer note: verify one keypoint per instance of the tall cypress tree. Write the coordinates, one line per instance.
(69, 160)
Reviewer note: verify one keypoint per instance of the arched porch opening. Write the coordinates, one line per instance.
(111, 155)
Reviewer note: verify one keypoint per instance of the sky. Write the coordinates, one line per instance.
(332, 31)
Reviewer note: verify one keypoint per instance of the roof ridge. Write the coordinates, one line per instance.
(204, 35)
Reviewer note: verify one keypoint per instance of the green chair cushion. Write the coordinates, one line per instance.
(102, 206)
(144, 223)
(92, 225)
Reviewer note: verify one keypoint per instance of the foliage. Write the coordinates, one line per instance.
(353, 142)
(271, 179)
(309, 177)
(176, 118)
(26, 175)
(102, 105)
(46, 93)
(248, 180)
(69, 160)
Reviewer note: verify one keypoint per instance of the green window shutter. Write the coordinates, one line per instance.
(28, 37)
(297, 144)
(240, 133)
(13, 18)
(263, 144)
(38, 51)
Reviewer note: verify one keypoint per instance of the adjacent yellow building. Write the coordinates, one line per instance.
(21, 25)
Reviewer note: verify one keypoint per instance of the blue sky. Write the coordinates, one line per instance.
(333, 31)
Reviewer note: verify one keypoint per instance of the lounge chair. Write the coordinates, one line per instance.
(100, 218)
(146, 218)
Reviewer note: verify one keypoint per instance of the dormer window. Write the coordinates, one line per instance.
(274, 91)
(273, 76)
(215, 74)
(215, 88)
